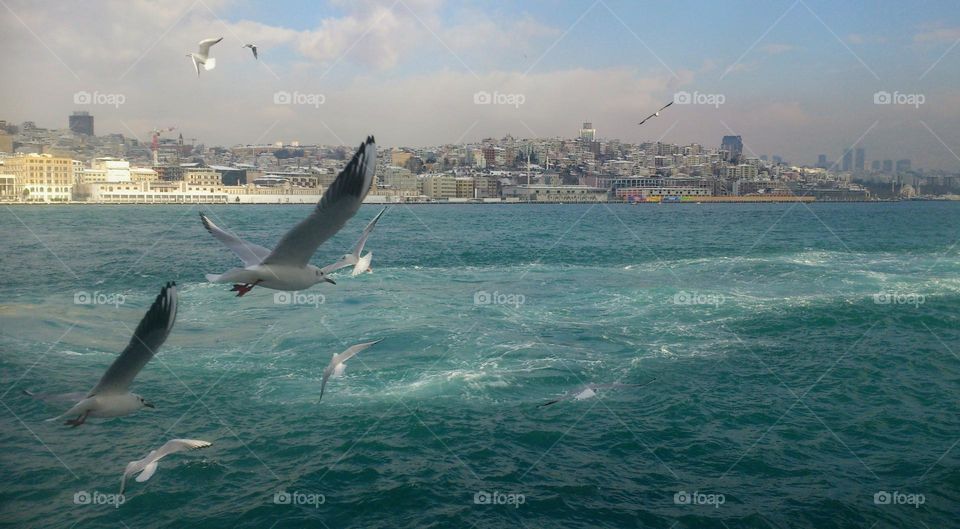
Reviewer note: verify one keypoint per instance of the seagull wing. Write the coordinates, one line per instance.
(147, 339)
(343, 262)
(351, 352)
(205, 44)
(254, 50)
(339, 203)
(250, 254)
(179, 445)
(665, 106)
(366, 233)
(196, 65)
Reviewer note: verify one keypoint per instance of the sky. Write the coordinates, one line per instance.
(794, 78)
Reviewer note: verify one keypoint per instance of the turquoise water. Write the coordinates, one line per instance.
(805, 360)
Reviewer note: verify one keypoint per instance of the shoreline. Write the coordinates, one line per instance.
(478, 203)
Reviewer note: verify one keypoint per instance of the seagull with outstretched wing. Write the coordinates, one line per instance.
(202, 57)
(287, 266)
(589, 391)
(111, 397)
(338, 363)
(655, 114)
(359, 264)
(253, 48)
(147, 466)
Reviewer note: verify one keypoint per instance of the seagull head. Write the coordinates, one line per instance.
(144, 403)
(320, 276)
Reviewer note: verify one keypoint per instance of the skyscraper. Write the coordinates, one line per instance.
(822, 161)
(81, 122)
(875, 166)
(860, 159)
(734, 146)
(888, 166)
(587, 132)
(903, 166)
(847, 160)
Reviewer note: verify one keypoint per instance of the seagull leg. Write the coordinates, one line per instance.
(78, 421)
(242, 289)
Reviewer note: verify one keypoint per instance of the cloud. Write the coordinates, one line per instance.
(776, 49)
(938, 35)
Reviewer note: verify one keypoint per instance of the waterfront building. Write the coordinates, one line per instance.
(42, 177)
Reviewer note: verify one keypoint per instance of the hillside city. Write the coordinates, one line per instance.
(74, 165)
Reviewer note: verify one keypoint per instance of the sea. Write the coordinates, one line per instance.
(761, 366)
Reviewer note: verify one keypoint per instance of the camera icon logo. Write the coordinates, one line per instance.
(682, 98)
(82, 298)
(282, 98)
(482, 98)
(682, 498)
(81, 497)
(482, 297)
(482, 498)
(882, 498)
(882, 98)
(282, 298)
(82, 98)
(282, 498)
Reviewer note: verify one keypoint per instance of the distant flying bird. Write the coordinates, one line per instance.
(203, 55)
(111, 397)
(655, 114)
(148, 465)
(338, 363)
(253, 48)
(589, 391)
(360, 264)
(288, 266)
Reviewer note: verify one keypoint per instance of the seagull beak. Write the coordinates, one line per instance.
(149, 405)
(328, 280)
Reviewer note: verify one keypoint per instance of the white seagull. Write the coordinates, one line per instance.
(203, 55)
(338, 363)
(148, 465)
(288, 266)
(360, 264)
(655, 114)
(589, 391)
(253, 48)
(111, 397)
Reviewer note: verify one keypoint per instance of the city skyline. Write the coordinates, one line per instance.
(796, 78)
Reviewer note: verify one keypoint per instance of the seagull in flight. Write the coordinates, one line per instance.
(148, 465)
(589, 391)
(655, 114)
(203, 56)
(287, 266)
(360, 264)
(338, 363)
(111, 397)
(253, 48)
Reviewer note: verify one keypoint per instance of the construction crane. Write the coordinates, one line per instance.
(155, 142)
